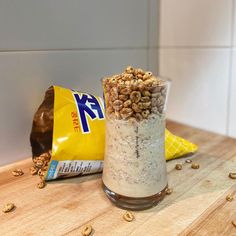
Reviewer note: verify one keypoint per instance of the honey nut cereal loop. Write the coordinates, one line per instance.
(8, 207)
(128, 216)
(87, 230)
(17, 172)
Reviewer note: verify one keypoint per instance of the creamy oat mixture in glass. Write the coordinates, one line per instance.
(134, 164)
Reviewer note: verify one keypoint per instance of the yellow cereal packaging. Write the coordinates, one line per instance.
(69, 126)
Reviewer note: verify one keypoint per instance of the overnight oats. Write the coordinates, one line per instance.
(134, 173)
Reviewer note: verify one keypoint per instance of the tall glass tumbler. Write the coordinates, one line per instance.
(134, 175)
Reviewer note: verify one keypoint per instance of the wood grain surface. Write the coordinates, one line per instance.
(197, 205)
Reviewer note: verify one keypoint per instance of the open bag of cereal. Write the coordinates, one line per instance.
(68, 135)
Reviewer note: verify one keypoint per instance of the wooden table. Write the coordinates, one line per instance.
(196, 207)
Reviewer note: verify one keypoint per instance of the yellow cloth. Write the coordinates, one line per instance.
(176, 146)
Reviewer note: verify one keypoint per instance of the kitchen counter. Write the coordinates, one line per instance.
(197, 205)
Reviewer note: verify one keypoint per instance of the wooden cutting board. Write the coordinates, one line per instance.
(196, 207)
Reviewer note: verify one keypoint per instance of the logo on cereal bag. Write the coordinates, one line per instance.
(88, 106)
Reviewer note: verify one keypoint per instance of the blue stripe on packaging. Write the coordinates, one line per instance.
(52, 170)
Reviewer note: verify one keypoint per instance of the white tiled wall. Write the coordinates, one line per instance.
(200, 89)
(70, 43)
(197, 51)
(195, 22)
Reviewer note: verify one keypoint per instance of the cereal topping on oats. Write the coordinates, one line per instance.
(139, 91)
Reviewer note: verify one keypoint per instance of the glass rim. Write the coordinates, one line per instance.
(162, 78)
